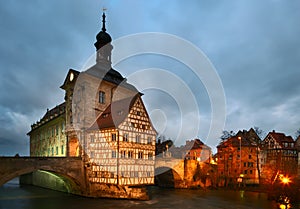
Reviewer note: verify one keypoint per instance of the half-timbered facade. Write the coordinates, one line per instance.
(121, 144)
(279, 155)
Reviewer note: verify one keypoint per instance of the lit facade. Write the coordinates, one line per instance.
(103, 120)
(279, 156)
(47, 136)
(197, 150)
(238, 156)
(123, 137)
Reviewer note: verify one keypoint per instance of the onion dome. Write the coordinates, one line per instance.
(102, 37)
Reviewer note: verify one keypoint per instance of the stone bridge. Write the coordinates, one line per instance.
(69, 169)
(180, 173)
(170, 172)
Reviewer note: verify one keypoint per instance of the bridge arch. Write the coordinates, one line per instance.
(63, 173)
(167, 177)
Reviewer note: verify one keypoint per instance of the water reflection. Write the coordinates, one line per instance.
(14, 196)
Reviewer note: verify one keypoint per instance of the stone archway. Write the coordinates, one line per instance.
(51, 180)
(167, 177)
(67, 171)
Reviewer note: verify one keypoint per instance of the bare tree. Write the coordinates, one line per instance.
(297, 134)
(227, 134)
(259, 131)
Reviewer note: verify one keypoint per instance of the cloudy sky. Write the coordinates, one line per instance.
(253, 45)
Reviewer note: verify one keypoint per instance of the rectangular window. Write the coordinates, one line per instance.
(113, 154)
(92, 154)
(113, 137)
(123, 154)
(62, 149)
(57, 130)
(149, 140)
(130, 154)
(56, 150)
(245, 164)
(52, 151)
(136, 174)
(92, 138)
(125, 138)
(137, 139)
(140, 155)
(250, 171)
(150, 156)
(250, 156)
(62, 127)
(245, 171)
(101, 97)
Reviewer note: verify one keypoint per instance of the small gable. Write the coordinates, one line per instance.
(71, 78)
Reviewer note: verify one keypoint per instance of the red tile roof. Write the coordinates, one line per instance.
(114, 114)
(281, 137)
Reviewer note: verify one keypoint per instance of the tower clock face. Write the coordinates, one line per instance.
(71, 76)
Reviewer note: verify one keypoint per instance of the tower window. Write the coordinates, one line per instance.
(101, 97)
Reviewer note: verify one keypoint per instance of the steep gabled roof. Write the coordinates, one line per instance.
(281, 137)
(114, 114)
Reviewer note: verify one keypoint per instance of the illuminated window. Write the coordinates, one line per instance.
(62, 127)
(101, 97)
(57, 129)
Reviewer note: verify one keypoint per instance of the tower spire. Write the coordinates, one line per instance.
(103, 20)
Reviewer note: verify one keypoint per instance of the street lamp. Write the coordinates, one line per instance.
(240, 139)
(285, 180)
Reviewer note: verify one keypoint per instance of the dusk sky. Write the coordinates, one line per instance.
(253, 45)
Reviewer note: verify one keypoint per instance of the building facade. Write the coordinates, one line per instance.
(279, 156)
(103, 120)
(47, 136)
(197, 150)
(238, 158)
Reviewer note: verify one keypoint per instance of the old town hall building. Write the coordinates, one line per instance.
(103, 120)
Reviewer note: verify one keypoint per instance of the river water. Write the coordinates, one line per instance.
(12, 195)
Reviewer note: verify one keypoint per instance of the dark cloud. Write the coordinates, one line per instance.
(254, 46)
